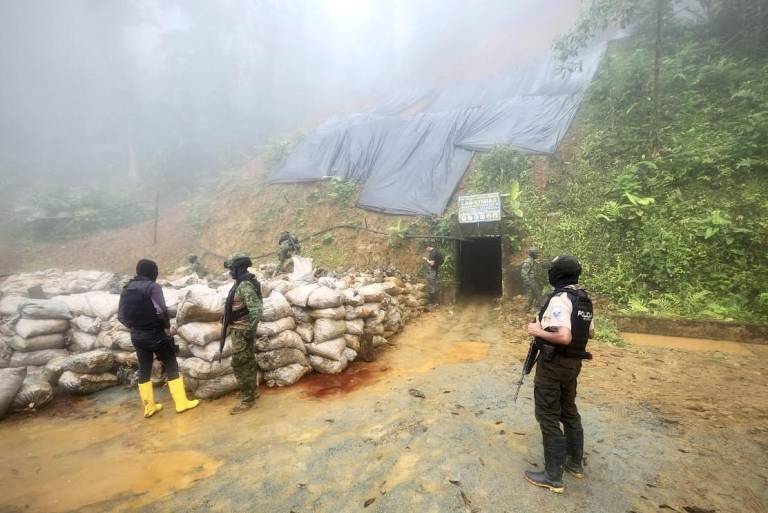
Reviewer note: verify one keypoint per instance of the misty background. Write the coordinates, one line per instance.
(164, 93)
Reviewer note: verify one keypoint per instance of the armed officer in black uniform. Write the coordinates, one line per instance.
(561, 331)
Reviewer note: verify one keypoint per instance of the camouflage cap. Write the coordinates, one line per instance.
(533, 251)
(235, 256)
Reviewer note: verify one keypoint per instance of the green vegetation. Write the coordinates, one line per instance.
(678, 230)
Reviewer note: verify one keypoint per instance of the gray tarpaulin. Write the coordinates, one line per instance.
(412, 150)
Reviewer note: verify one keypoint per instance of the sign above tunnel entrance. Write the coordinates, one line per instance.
(480, 208)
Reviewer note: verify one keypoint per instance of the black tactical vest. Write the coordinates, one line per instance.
(136, 310)
(581, 318)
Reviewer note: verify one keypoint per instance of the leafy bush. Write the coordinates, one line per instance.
(677, 233)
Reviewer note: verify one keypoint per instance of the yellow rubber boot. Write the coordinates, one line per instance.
(148, 398)
(176, 386)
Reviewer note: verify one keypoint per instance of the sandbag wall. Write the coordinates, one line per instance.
(45, 318)
(71, 339)
(305, 327)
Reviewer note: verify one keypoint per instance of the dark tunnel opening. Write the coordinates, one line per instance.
(480, 266)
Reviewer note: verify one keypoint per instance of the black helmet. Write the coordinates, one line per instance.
(533, 251)
(564, 270)
(147, 268)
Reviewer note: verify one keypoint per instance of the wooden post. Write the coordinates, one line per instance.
(157, 215)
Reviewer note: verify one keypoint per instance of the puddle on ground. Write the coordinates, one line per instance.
(690, 344)
(70, 465)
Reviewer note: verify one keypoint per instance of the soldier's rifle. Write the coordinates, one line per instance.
(530, 361)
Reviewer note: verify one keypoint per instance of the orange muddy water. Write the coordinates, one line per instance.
(690, 344)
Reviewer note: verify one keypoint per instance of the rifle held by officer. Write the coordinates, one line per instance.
(530, 361)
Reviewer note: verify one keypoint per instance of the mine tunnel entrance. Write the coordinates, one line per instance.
(479, 264)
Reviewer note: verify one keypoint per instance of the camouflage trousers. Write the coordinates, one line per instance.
(244, 364)
(284, 253)
(432, 286)
(533, 292)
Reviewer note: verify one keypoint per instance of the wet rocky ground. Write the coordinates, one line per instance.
(429, 427)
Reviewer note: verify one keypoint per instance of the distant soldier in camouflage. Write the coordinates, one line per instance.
(195, 266)
(242, 313)
(528, 274)
(289, 246)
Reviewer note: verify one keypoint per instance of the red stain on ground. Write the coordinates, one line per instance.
(354, 377)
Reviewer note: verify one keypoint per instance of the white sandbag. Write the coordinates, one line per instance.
(201, 333)
(44, 309)
(327, 329)
(327, 281)
(275, 307)
(9, 305)
(362, 312)
(126, 358)
(200, 305)
(172, 299)
(285, 376)
(210, 352)
(355, 327)
(51, 341)
(300, 295)
(28, 328)
(323, 297)
(353, 342)
(183, 346)
(216, 387)
(102, 304)
(326, 366)
(271, 360)
(53, 369)
(391, 288)
(350, 354)
(272, 328)
(305, 330)
(90, 325)
(331, 349)
(374, 329)
(86, 383)
(11, 381)
(302, 269)
(34, 393)
(92, 362)
(352, 298)
(81, 342)
(397, 282)
(379, 341)
(281, 286)
(5, 351)
(92, 304)
(373, 293)
(284, 340)
(301, 314)
(19, 359)
(114, 339)
(200, 369)
(337, 313)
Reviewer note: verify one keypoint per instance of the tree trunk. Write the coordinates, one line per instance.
(656, 73)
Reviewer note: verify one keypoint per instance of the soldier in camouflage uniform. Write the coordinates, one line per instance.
(195, 266)
(241, 317)
(531, 284)
(289, 246)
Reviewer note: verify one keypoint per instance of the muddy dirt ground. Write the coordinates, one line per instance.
(667, 429)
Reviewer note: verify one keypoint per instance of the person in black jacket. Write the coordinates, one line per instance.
(142, 309)
(562, 329)
(434, 260)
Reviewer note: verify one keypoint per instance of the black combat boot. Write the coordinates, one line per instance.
(575, 453)
(552, 475)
